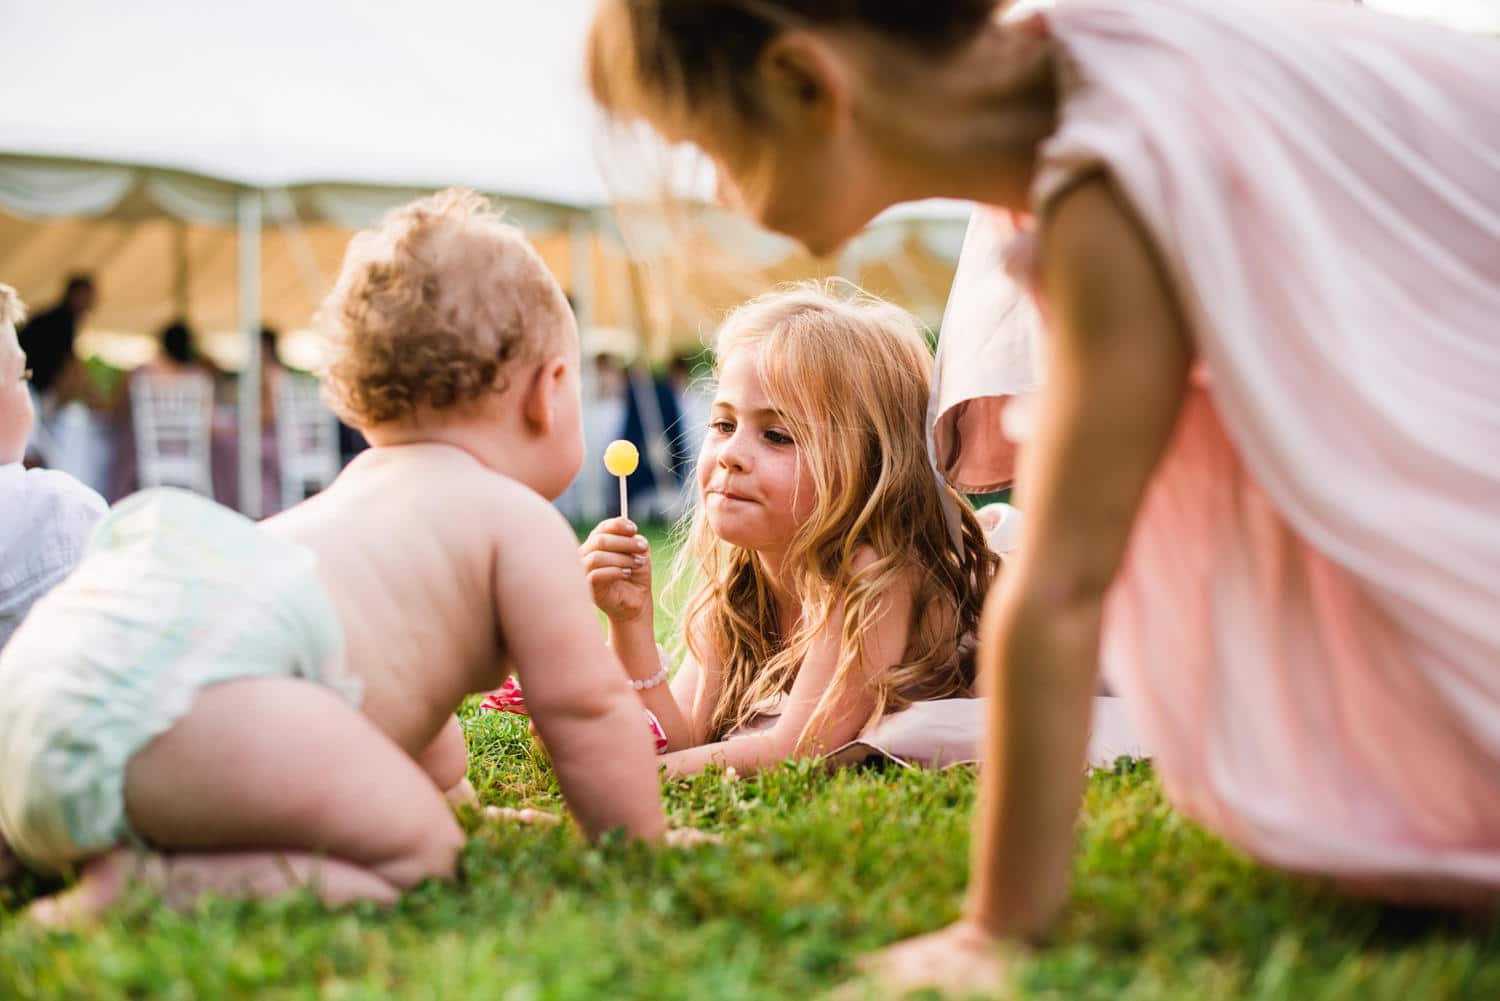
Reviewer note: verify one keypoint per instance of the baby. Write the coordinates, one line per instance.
(272, 706)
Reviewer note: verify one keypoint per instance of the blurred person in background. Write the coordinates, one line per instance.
(71, 432)
(177, 356)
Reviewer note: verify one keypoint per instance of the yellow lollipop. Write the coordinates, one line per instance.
(621, 458)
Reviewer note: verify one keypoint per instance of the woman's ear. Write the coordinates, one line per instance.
(539, 402)
(805, 81)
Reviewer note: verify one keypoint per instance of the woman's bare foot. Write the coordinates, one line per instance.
(100, 886)
(960, 960)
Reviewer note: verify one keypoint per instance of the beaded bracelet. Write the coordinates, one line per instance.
(642, 684)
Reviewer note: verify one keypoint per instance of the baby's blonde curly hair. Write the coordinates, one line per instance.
(432, 308)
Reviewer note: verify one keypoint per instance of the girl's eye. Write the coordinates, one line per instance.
(722, 427)
(776, 437)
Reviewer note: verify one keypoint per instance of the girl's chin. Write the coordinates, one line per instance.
(732, 531)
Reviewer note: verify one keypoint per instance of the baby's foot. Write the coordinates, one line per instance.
(100, 887)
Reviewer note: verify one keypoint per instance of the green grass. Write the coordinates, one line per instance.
(816, 868)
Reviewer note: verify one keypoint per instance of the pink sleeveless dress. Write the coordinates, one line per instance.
(1306, 629)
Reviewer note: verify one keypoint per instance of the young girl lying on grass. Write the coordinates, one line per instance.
(828, 589)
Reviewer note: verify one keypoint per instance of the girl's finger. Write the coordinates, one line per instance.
(620, 543)
(599, 558)
(606, 575)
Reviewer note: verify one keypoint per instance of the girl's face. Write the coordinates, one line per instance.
(753, 482)
(812, 169)
(820, 194)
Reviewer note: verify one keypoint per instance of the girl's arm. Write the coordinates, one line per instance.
(696, 690)
(1117, 378)
(617, 561)
(635, 644)
(850, 709)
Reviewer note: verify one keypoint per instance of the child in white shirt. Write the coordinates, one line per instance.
(48, 515)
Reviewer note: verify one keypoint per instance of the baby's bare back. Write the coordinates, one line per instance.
(442, 572)
(406, 540)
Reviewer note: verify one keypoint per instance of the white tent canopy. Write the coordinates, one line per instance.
(285, 93)
(196, 111)
(316, 110)
(291, 111)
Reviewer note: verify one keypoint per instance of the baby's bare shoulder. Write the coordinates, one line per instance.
(436, 506)
(480, 511)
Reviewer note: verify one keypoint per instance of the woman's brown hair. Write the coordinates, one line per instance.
(678, 61)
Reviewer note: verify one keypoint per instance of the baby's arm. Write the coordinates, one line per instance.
(577, 695)
(849, 711)
(446, 761)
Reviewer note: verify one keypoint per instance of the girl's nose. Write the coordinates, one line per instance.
(732, 454)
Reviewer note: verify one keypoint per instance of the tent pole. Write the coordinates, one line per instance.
(249, 309)
(581, 270)
(182, 284)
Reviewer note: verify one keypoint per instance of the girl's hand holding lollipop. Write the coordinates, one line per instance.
(616, 557)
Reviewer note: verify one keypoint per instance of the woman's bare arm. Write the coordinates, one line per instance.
(1119, 359)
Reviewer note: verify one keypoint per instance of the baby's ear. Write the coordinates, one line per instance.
(539, 402)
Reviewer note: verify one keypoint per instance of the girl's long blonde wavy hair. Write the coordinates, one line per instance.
(850, 373)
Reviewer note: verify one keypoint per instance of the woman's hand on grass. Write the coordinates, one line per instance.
(959, 961)
(617, 560)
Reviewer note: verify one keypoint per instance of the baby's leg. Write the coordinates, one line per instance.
(272, 784)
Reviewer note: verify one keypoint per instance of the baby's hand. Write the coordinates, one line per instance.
(618, 562)
(526, 816)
